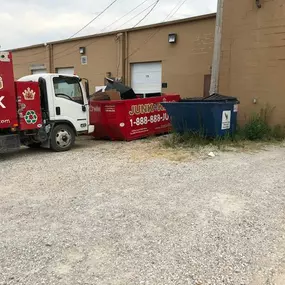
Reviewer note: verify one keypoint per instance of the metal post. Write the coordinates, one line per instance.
(50, 57)
(217, 49)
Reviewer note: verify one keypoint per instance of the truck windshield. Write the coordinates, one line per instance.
(68, 88)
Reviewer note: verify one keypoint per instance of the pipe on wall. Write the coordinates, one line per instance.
(217, 49)
(125, 59)
(50, 57)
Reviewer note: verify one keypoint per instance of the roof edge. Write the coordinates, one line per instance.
(156, 25)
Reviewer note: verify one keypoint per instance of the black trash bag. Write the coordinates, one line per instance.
(125, 91)
(149, 95)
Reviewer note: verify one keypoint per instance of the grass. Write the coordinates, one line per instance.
(256, 132)
(192, 140)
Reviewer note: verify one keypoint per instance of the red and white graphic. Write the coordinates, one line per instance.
(31, 117)
(21, 108)
(29, 105)
(4, 56)
(1, 83)
(1, 103)
(29, 94)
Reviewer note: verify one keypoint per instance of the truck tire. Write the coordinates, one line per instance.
(62, 138)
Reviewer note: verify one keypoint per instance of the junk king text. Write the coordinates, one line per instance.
(1, 102)
(141, 109)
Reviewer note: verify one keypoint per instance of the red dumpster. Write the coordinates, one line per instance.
(130, 119)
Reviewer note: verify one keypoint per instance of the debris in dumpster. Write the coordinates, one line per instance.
(100, 88)
(99, 96)
(125, 91)
(107, 95)
(149, 95)
(113, 94)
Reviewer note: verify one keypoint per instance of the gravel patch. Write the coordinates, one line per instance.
(124, 213)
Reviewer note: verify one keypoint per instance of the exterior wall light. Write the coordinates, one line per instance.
(258, 4)
(82, 50)
(172, 38)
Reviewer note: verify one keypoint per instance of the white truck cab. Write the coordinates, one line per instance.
(65, 109)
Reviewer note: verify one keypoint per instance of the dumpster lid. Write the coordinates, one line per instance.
(219, 97)
(213, 98)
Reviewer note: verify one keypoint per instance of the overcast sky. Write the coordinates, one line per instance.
(28, 22)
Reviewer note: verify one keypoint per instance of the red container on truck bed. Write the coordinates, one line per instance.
(29, 105)
(8, 105)
(130, 119)
(20, 102)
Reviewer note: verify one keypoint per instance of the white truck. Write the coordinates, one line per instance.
(47, 110)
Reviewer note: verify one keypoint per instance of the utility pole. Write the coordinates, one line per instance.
(217, 49)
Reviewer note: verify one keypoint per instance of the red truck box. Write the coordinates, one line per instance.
(8, 110)
(130, 119)
(29, 105)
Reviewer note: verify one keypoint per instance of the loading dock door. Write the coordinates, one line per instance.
(146, 77)
(65, 70)
(39, 71)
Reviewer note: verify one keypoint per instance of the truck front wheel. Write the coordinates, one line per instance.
(62, 138)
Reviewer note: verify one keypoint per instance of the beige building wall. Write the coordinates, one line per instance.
(253, 56)
(26, 59)
(102, 57)
(184, 63)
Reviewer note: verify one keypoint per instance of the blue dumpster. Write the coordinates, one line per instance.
(213, 116)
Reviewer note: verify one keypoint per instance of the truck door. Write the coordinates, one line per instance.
(70, 103)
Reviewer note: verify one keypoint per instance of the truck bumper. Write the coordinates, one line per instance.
(9, 143)
(91, 129)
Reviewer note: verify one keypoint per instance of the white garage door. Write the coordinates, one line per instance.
(39, 71)
(65, 70)
(146, 77)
